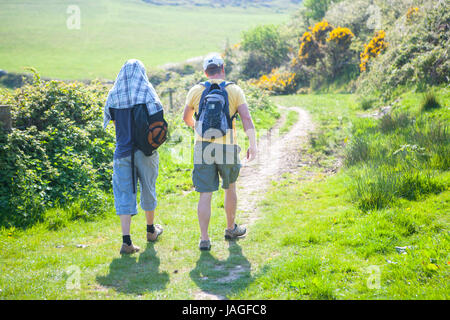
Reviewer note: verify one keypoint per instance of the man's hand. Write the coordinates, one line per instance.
(249, 129)
(251, 153)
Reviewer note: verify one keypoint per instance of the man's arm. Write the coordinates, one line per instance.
(249, 129)
(113, 116)
(188, 116)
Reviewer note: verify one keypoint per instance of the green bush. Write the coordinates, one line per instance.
(416, 56)
(14, 80)
(157, 76)
(57, 152)
(265, 50)
(258, 100)
(316, 9)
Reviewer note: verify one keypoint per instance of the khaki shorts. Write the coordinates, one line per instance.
(212, 160)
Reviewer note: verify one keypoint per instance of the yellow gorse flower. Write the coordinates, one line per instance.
(373, 49)
(411, 12)
(320, 30)
(306, 37)
(306, 42)
(276, 81)
(340, 35)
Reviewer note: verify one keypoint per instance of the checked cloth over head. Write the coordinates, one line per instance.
(131, 88)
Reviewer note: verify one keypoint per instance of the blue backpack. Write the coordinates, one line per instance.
(213, 119)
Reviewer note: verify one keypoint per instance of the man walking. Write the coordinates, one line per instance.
(216, 152)
(131, 89)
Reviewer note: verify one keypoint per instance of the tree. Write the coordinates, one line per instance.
(316, 9)
(266, 49)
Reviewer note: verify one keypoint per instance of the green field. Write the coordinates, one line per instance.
(35, 34)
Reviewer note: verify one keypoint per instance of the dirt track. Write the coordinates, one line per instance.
(276, 155)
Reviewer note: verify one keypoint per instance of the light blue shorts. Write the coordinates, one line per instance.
(146, 169)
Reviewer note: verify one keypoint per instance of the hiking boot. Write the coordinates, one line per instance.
(128, 249)
(205, 245)
(234, 233)
(154, 236)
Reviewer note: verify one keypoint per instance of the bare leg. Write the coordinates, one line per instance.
(204, 213)
(125, 221)
(230, 205)
(150, 216)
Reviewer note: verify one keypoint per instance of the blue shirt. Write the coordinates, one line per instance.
(124, 144)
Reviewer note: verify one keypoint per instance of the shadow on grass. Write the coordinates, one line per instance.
(136, 274)
(222, 278)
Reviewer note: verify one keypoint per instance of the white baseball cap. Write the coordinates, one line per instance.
(211, 60)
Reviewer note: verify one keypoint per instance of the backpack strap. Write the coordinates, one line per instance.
(207, 86)
(223, 85)
(133, 149)
(227, 83)
(230, 117)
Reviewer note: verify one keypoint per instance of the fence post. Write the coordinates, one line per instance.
(169, 91)
(5, 118)
(170, 98)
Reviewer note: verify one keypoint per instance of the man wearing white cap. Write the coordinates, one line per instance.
(217, 154)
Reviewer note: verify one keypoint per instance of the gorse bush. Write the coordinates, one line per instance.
(309, 52)
(57, 152)
(320, 31)
(373, 49)
(325, 53)
(368, 46)
(341, 36)
(371, 46)
(278, 82)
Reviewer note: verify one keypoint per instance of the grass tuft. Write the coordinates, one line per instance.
(367, 103)
(430, 102)
(389, 123)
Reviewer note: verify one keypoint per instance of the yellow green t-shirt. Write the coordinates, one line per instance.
(236, 98)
